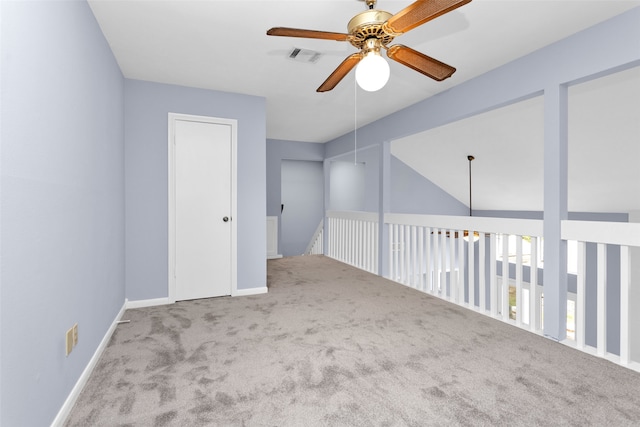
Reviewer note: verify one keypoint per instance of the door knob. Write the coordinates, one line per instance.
(225, 219)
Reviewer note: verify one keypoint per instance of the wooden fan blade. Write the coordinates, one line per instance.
(309, 34)
(420, 62)
(339, 73)
(418, 13)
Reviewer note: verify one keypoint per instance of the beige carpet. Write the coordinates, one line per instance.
(332, 345)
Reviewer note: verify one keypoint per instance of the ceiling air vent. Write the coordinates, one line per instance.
(304, 55)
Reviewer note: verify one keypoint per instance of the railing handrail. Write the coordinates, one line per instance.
(521, 227)
(611, 233)
(354, 215)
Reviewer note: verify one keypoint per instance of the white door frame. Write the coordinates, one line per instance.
(173, 117)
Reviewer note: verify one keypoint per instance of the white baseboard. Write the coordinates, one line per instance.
(251, 291)
(276, 256)
(60, 419)
(146, 303)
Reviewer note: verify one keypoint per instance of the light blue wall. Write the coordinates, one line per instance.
(414, 194)
(370, 157)
(347, 185)
(62, 201)
(303, 200)
(146, 158)
(277, 151)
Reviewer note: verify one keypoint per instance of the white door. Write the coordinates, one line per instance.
(202, 211)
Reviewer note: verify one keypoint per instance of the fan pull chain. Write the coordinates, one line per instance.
(355, 122)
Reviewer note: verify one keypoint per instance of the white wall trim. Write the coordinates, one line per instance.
(146, 303)
(250, 291)
(65, 410)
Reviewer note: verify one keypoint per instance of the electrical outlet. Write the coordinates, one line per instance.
(75, 334)
(69, 340)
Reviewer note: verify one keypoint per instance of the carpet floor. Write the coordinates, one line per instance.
(331, 345)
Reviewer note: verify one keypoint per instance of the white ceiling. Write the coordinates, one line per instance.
(222, 45)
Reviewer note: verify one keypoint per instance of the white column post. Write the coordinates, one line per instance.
(384, 204)
(555, 210)
(634, 295)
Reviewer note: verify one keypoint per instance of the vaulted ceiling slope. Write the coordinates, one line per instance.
(507, 173)
(222, 45)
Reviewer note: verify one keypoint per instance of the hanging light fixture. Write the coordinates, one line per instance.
(476, 235)
(372, 72)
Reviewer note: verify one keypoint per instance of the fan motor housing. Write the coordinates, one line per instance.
(368, 25)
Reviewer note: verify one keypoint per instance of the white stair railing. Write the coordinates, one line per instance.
(353, 239)
(430, 253)
(315, 246)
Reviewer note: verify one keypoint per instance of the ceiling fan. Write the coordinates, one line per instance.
(373, 30)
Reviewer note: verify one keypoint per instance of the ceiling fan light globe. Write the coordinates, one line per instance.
(372, 72)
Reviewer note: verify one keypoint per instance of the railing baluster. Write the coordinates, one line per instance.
(407, 259)
(392, 252)
(366, 245)
(374, 249)
(625, 282)
(396, 253)
(482, 291)
(414, 257)
(421, 258)
(329, 237)
(335, 233)
(362, 231)
(353, 241)
(346, 239)
(362, 241)
(436, 260)
(364, 250)
(581, 318)
(356, 237)
(505, 277)
(427, 258)
(602, 300)
(339, 238)
(519, 305)
(453, 278)
(371, 246)
(472, 272)
(534, 305)
(493, 280)
(402, 254)
(350, 243)
(461, 265)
